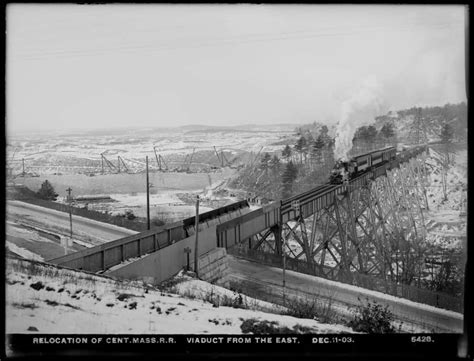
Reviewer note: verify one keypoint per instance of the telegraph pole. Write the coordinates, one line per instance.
(23, 162)
(69, 190)
(196, 228)
(147, 196)
(284, 269)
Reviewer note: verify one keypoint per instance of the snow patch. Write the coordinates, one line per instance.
(65, 301)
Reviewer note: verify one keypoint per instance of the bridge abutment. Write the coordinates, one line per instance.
(214, 268)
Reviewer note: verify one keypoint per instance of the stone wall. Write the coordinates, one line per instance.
(213, 267)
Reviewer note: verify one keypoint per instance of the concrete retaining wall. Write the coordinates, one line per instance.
(165, 263)
(213, 267)
(116, 253)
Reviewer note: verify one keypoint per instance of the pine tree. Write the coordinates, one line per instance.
(371, 133)
(319, 143)
(316, 148)
(446, 136)
(275, 163)
(364, 138)
(286, 153)
(47, 191)
(387, 130)
(324, 133)
(447, 133)
(301, 147)
(265, 161)
(288, 177)
(309, 138)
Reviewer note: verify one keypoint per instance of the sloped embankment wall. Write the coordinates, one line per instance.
(214, 268)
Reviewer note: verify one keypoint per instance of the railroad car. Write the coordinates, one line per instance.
(346, 170)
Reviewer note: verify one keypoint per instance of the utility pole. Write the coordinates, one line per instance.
(196, 228)
(69, 190)
(23, 162)
(147, 196)
(187, 250)
(284, 268)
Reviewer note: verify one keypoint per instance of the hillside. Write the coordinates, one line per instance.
(311, 148)
(428, 120)
(47, 299)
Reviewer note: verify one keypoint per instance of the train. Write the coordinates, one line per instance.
(344, 171)
(271, 216)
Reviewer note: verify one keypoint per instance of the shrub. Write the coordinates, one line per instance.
(255, 326)
(170, 284)
(237, 301)
(129, 215)
(372, 318)
(311, 308)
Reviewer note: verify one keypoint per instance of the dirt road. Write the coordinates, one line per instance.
(269, 280)
(84, 230)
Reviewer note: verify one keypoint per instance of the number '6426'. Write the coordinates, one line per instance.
(421, 339)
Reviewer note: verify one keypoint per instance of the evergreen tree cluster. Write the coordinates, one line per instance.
(47, 191)
(295, 170)
(307, 162)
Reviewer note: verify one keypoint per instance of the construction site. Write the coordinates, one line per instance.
(108, 174)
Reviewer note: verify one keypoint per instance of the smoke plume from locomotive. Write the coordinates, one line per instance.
(359, 110)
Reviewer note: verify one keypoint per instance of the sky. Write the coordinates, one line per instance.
(155, 65)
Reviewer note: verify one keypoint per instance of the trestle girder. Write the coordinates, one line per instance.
(375, 229)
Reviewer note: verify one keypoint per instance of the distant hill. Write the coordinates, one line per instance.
(247, 128)
(428, 120)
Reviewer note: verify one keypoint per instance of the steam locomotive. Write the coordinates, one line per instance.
(344, 171)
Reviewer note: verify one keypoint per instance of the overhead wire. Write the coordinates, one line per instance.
(254, 38)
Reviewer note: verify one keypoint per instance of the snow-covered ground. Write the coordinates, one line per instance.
(73, 153)
(30, 244)
(456, 182)
(28, 227)
(46, 299)
(23, 252)
(417, 317)
(446, 218)
(190, 287)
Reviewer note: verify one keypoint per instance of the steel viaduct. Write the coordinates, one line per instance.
(343, 233)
